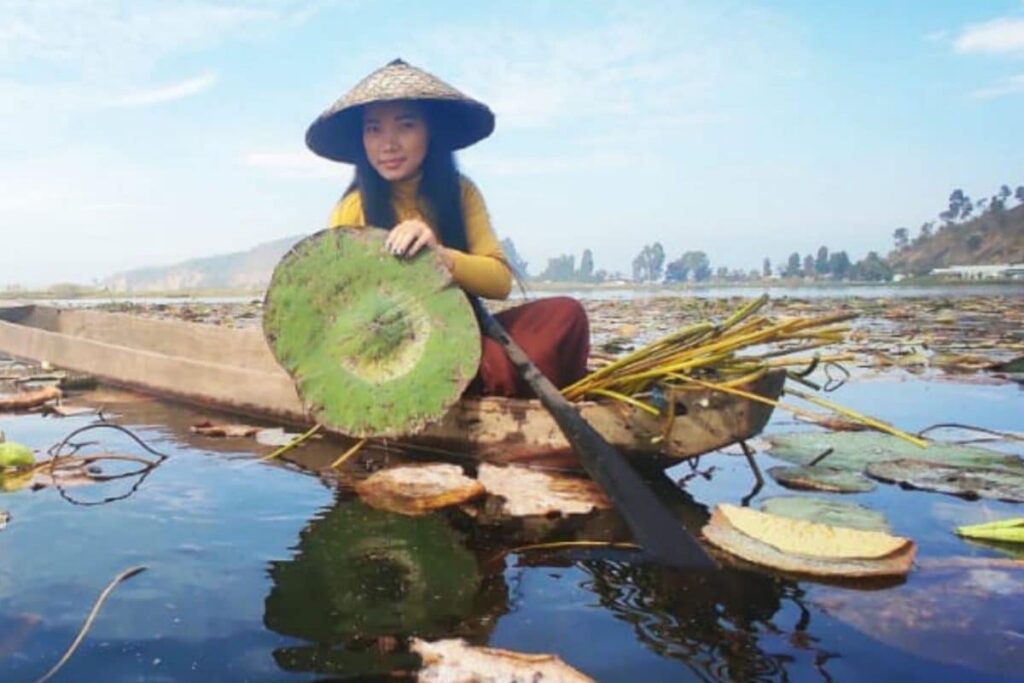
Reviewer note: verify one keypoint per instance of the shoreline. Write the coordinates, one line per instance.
(532, 286)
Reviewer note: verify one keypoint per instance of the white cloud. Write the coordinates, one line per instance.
(295, 165)
(168, 93)
(661, 59)
(1008, 86)
(999, 36)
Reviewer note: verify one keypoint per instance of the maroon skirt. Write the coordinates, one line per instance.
(553, 332)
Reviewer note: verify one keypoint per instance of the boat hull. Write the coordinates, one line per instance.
(233, 370)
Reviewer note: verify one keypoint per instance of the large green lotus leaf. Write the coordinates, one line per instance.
(854, 451)
(826, 511)
(821, 478)
(377, 345)
(968, 482)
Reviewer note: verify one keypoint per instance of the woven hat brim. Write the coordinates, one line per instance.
(338, 135)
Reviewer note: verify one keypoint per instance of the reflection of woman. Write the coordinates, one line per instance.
(399, 126)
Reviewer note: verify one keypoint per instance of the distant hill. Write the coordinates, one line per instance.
(994, 237)
(241, 270)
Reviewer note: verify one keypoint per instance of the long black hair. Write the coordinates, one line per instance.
(440, 188)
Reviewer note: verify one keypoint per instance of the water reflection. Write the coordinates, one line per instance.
(714, 623)
(363, 580)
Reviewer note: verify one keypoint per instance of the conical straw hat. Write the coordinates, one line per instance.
(457, 119)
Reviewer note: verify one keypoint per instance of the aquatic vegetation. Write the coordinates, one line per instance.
(16, 455)
(727, 356)
(827, 511)
(821, 478)
(970, 482)
(378, 346)
(1005, 530)
(811, 548)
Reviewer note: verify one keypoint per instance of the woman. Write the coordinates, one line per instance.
(400, 126)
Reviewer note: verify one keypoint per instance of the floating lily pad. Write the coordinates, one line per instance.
(854, 451)
(801, 547)
(1006, 530)
(833, 512)
(527, 492)
(967, 482)
(16, 455)
(821, 478)
(456, 660)
(418, 489)
(377, 345)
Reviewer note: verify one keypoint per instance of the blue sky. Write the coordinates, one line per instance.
(147, 132)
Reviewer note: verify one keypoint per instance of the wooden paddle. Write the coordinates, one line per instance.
(655, 528)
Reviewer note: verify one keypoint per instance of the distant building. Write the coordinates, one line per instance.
(999, 271)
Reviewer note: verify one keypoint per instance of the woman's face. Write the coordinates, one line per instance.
(395, 138)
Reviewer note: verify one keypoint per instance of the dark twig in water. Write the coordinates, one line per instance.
(123, 576)
(758, 477)
(834, 383)
(143, 472)
(971, 428)
(821, 456)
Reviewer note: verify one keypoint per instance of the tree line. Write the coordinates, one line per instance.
(961, 208)
(651, 264)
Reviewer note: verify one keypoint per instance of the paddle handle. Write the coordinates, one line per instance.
(654, 526)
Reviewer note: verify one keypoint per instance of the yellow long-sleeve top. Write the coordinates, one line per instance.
(482, 270)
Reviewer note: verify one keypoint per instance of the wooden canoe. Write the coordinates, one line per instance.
(233, 370)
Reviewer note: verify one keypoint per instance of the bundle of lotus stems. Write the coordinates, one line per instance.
(726, 356)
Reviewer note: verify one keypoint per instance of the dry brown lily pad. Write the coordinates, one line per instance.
(802, 547)
(529, 492)
(417, 490)
(455, 661)
(229, 431)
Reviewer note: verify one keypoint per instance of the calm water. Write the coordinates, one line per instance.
(777, 292)
(264, 573)
(712, 292)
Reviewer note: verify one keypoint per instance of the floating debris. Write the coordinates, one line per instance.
(417, 490)
(802, 547)
(526, 492)
(825, 511)
(228, 431)
(967, 482)
(25, 400)
(275, 437)
(454, 660)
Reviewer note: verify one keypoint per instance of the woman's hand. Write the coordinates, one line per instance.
(408, 237)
